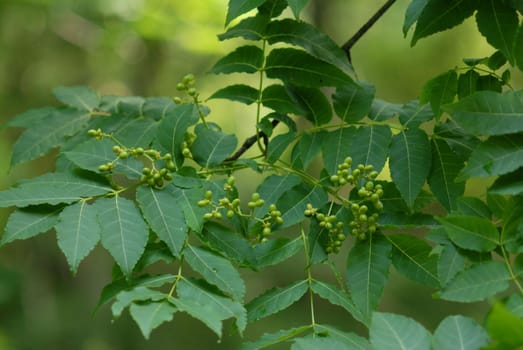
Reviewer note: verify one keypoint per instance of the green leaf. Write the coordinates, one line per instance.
(46, 134)
(497, 59)
(251, 28)
(489, 113)
(352, 340)
(412, 14)
(210, 308)
(51, 188)
(211, 147)
(308, 37)
(498, 23)
(272, 188)
(216, 270)
(150, 315)
(187, 200)
(381, 110)
(410, 162)
(295, 67)
(79, 97)
(450, 262)
(352, 102)
(439, 91)
(490, 83)
(390, 331)
(239, 7)
(461, 143)
(307, 148)
(412, 257)
(124, 298)
(518, 47)
(294, 202)
(297, 6)
(477, 283)
(336, 148)
(497, 156)
(124, 232)
(269, 339)
(139, 132)
(514, 304)
(471, 232)
(504, 327)
(162, 212)
(274, 252)
(314, 343)
(367, 273)
(272, 8)
(370, 146)
(277, 98)
(459, 332)
(439, 15)
(442, 178)
(172, 129)
(473, 206)
(240, 92)
(275, 300)
(413, 114)
(157, 107)
(511, 184)
(278, 145)
(245, 59)
(30, 117)
(91, 154)
(78, 232)
(467, 83)
(29, 222)
(337, 296)
(312, 102)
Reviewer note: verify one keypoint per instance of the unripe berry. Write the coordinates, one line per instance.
(231, 180)
(180, 87)
(230, 214)
(146, 171)
(217, 215)
(266, 231)
(103, 168)
(363, 218)
(272, 208)
(203, 203)
(123, 155)
(255, 196)
(279, 220)
(334, 178)
(260, 202)
(363, 192)
(177, 100)
(168, 176)
(208, 194)
(356, 172)
(207, 216)
(116, 149)
(92, 132)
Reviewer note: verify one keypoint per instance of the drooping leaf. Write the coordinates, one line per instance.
(308, 37)
(450, 262)
(439, 91)
(477, 283)
(410, 162)
(370, 146)
(294, 201)
(172, 129)
(335, 295)
(412, 114)
(442, 178)
(277, 98)
(471, 232)
(367, 273)
(51, 188)
(297, 6)
(79, 97)
(269, 339)
(307, 148)
(496, 60)
(497, 156)
(489, 113)
(459, 332)
(412, 14)
(240, 92)
(411, 257)
(45, 134)
(216, 270)
(245, 59)
(313, 104)
(275, 300)
(352, 102)
(164, 215)
(201, 303)
(124, 232)
(504, 327)
(498, 23)
(439, 15)
(391, 331)
(150, 315)
(29, 222)
(250, 28)
(336, 148)
(239, 7)
(294, 67)
(78, 232)
(278, 144)
(91, 154)
(211, 147)
(467, 83)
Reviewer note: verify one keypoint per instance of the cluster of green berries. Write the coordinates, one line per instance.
(186, 150)
(97, 133)
(332, 225)
(187, 84)
(345, 175)
(233, 207)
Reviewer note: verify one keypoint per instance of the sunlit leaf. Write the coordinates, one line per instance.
(367, 273)
(459, 332)
(336, 148)
(275, 300)
(505, 328)
(124, 232)
(51, 188)
(150, 315)
(352, 102)
(412, 14)
(297, 6)
(410, 161)
(272, 8)
(79, 97)
(390, 331)
(239, 7)
(471, 232)
(245, 59)
(29, 222)
(370, 146)
(477, 283)
(78, 232)
(241, 93)
(250, 28)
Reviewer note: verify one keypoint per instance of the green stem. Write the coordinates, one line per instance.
(200, 114)
(309, 276)
(260, 99)
(513, 276)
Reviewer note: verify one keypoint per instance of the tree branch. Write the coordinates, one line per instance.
(364, 28)
(251, 141)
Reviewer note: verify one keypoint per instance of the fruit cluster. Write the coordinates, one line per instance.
(345, 175)
(232, 208)
(187, 84)
(332, 225)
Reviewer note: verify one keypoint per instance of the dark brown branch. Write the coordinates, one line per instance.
(364, 28)
(251, 141)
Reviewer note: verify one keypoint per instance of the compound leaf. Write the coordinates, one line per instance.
(269, 339)
(307, 148)
(277, 98)
(278, 144)
(297, 6)
(250, 28)
(450, 262)
(353, 340)
(312, 102)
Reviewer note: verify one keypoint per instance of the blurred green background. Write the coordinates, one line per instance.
(144, 47)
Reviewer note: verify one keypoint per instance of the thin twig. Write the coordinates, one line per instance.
(249, 142)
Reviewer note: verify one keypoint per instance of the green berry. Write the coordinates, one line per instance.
(235, 202)
(168, 176)
(170, 165)
(188, 79)
(203, 203)
(123, 155)
(363, 218)
(92, 132)
(266, 231)
(116, 149)
(328, 250)
(255, 196)
(369, 168)
(363, 209)
(320, 217)
(340, 237)
(260, 202)
(192, 92)
(217, 215)
(369, 185)
(307, 212)
(146, 171)
(251, 205)
(334, 178)
(208, 194)
(272, 207)
(363, 192)
(230, 214)
(231, 180)
(181, 87)
(186, 153)
(207, 216)
(348, 161)
(356, 172)
(279, 220)
(177, 100)
(103, 168)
